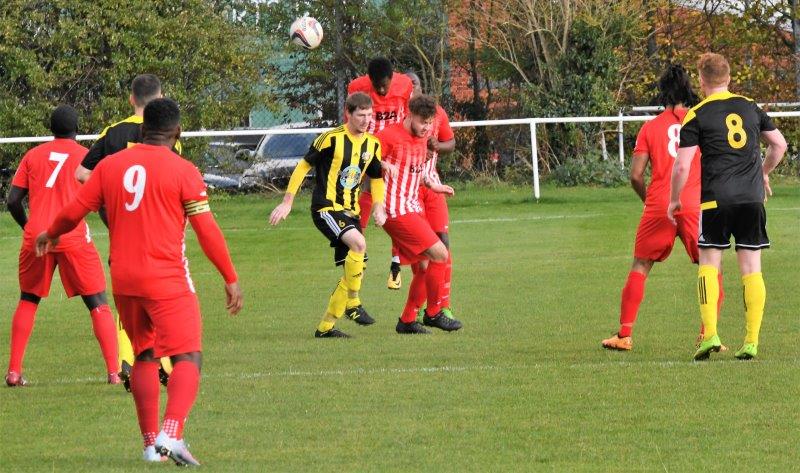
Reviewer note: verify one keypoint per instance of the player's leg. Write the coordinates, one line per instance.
(82, 274)
(178, 329)
(394, 281)
(708, 297)
(655, 237)
(447, 288)
(354, 267)
(331, 225)
(144, 382)
(365, 205)
(417, 293)
(750, 232)
(688, 229)
(35, 276)
(434, 285)
(21, 328)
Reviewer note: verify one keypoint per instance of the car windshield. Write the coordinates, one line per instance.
(287, 146)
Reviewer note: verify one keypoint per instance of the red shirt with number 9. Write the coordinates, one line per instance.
(146, 190)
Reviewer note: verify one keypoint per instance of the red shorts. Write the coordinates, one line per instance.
(656, 235)
(168, 326)
(411, 236)
(435, 205)
(80, 269)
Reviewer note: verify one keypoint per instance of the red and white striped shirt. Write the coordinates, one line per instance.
(386, 109)
(409, 154)
(442, 132)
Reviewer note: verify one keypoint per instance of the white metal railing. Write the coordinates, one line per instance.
(531, 122)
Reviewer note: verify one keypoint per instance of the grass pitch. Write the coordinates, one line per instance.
(524, 386)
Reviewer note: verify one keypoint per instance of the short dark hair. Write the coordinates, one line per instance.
(357, 100)
(64, 122)
(423, 106)
(161, 115)
(675, 87)
(145, 87)
(379, 68)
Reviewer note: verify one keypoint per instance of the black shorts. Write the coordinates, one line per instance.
(746, 222)
(333, 224)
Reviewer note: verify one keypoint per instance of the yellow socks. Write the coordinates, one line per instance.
(125, 347)
(708, 295)
(335, 309)
(755, 296)
(353, 274)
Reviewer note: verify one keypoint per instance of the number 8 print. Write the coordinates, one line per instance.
(133, 181)
(737, 138)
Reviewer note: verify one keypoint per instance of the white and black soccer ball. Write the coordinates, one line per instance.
(306, 32)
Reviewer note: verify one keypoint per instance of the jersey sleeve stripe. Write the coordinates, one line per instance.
(195, 207)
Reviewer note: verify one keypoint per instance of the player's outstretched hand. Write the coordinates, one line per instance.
(379, 214)
(233, 298)
(390, 169)
(280, 213)
(443, 189)
(767, 188)
(45, 244)
(673, 207)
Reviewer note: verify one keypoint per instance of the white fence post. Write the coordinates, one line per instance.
(535, 159)
(621, 138)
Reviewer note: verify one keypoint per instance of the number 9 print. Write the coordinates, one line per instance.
(133, 181)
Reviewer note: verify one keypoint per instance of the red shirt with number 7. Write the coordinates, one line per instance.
(148, 192)
(48, 172)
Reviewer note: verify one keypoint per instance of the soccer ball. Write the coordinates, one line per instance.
(306, 32)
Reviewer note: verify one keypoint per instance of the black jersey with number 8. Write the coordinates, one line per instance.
(727, 128)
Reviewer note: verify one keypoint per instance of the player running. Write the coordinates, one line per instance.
(341, 158)
(405, 146)
(734, 185)
(657, 145)
(149, 193)
(113, 139)
(45, 176)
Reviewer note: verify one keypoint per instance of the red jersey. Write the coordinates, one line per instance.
(48, 172)
(147, 191)
(442, 132)
(409, 154)
(659, 139)
(387, 109)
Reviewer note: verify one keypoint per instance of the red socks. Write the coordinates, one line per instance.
(182, 388)
(632, 295)
(434, 284)
(416, 294)
(146, 396)
(105, 331)
(21, 328)
(365, 205)
(447, 278)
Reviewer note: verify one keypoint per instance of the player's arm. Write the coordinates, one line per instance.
(284, 208)
(776, 148)
(66, 220)
(377, 188)
(212, 241)
(638, 166)
(15, 207)
(680, 173)
(93, 156)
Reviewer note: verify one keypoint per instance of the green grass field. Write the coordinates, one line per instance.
(524, 386)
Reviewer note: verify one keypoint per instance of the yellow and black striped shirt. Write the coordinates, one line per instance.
(340, 161)
(115, 138)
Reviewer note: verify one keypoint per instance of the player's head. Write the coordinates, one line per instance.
(415, 82)
(675, 87)
(162, 122)
(423, 110)
(714, 71)
(358, 108)
(144, 88)
(379, 71)
(64, 122)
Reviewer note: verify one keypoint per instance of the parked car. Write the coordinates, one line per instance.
(276, 157)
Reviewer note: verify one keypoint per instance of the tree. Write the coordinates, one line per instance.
(85, 53)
